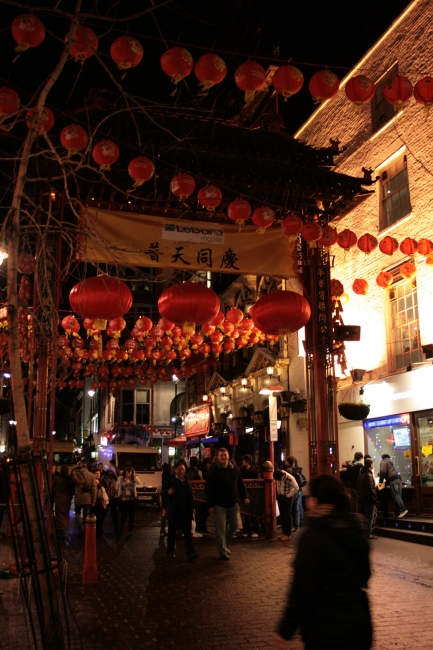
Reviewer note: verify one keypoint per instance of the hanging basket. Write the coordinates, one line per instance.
(354, 410)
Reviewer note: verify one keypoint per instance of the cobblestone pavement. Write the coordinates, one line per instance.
(146, 601)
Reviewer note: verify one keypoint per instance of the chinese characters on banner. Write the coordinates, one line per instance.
(323, 310)
(197, 421)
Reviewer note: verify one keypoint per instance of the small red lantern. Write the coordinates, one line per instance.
(26, 263)
(204, 349)
(74, 138)
(210, 197)
(263, 218)
(126, 52)
(360, 90)
(397, 90)
(210, 69)
(311, 232)
(292, 226)
(367, 243)
(250, 77)
(235, 316)
(281, 312)
(346, 239)
(409, 246)
(388, 245)
(360, 287)
(71, 325)
(177, 63)
(329, 236)
(144, 325)
(103, 298)
(27, 31)
(217, 348)
(423, 92)
(228, 346)
(188, 303)
(84, 45)
(323, 85)
(216, 337)
(288, 80)
(384, 279)
(239, 211)
(228, 327)
(44, 123)
(141, 169)
(9, 101)
(429, 260)
(408, 270)
(337, 288)
(105, 153)
(182, 185)
(425, 247)
(217, 320)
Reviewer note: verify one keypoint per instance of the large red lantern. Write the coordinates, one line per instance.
(360, 287)
(346, 239)
(103, 298)
(384, 279)
(105, 154)
(239, 211)
(182, 185)
(263, 218)
(367, 243)
(292, 226)
(329, 236)
(141, 169)
(126, 52)
(281, 312)
(409, 246)
(311, 232)
(288, 80)
(177, 63)
(44, 123)
(27, 31)
(84, 45)
(397, 90)
(74, 138)
(423, 92)
(425, 247)
(209, 197)
(210, 69)
(250, 77)
(388, 245)
(9, 101)
(360, 90)
(408, 270)
(323, 85)
(188, 304)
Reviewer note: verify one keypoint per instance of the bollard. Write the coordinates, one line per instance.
(270, 510)
(90, 571)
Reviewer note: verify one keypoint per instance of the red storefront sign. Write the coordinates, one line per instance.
(197, 421)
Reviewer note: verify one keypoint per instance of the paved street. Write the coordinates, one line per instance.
(144, 600)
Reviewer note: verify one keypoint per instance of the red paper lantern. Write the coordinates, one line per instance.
(71, 325)
(177, 63)
(235, 316)
(228, 346)
(228, 327)
(103, 298)
(210, 69)
(384, 279)
(44, 123)
(25, 263)
(9, 101)
(429, 260)
(105, 153)
(397, 90)
(217, 348)
(117, 325)
(166, 325)
(144, 325)
(408, 270)
(292, 226)
(182, 185)
(239, 211)
(346, 239)
(188, 303)
(337, 288)
(74, 138)
(360, 287)
(204, 349)
(311, 231)
(263, 218)
(288, 80)
(281, 312)
(126, 52)
(329, 236)
(84, 45)
(217, 320)
(409, 246)
(210, 197)
(425, 247)
(27, 31)
(250, 77)
(388, 245)
(323, 85)
(423, 91)
(367, 243)
(112, 345)
(141, 169)
(360, 90)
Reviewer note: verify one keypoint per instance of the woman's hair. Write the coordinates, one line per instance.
(110, 474)
(129, 468)
(330, 490)
(292, 461)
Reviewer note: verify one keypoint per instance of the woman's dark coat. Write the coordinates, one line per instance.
(170, 499)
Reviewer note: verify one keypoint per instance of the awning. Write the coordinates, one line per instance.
(175, 442)
(193, 442)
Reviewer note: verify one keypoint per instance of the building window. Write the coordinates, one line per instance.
(142, 408)
(381, 110)
(405, 335)
(395, 198)
(127, 406)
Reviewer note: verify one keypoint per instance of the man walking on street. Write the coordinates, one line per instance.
(177, 492)
(393, 480)
(367, 495)
(287, 486)
(224, 485)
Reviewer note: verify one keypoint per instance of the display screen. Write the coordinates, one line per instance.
(402, 437)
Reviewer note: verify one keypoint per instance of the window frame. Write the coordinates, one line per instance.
(376, 125)
(414, 356)
(385, 178)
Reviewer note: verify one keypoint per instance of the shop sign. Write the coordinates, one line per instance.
(405, 392)
(388, 422)
(197, 421)
(322, 313)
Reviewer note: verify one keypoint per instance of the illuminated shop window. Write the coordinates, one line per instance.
(391, 436)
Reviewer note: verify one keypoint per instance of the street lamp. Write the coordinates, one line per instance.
(270, 370)
(91, 393)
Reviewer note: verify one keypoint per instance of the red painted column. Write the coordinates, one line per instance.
(90, 570)
(270, 509)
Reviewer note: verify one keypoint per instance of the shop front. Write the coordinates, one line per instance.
(197, 422)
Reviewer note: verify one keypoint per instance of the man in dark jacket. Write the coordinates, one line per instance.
(224, 485)
(367, 495)
(180, 507)
(389, 474)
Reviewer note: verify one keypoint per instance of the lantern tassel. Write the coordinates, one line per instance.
(261, 231)
(124, 65)
(22, 47)
(104, 168)
(249, 96)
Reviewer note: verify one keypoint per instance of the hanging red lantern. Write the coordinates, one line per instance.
(144, 325)
(263, 218)
(131, 344)
(84, 44)
(210, 69)
(250, 77)
(141, 169)
(329, 237)
(429, 260)
(292, 226)
(216, 337)
(25, 263)
(360, 287)
(182, 185)
(217, 348)
(71, 325)
(239, 211)
(204, 349)
(227, 327)
(188, 303)
(323, 85)
(103, 298)
(74, 138)
(208, 329)
(166, 325)
(217, 320)
(346, 239)
(337, 288)
(409, 246)
(44, 123)
(9, 101)
(311, 232)
(425, 247)
(288, 80)
(360, 90)
(126, 52)
(388, 245)
(228, 346)
(397, 90)
(177, 63)
(235, 316)
(280, 312)
(210, 197)
(367, 243)
(112, 344)
(27, 31)
(423, 92)
(117, 325)
(196, 340)
(105, 153)
(408, 270)
(384, 279)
